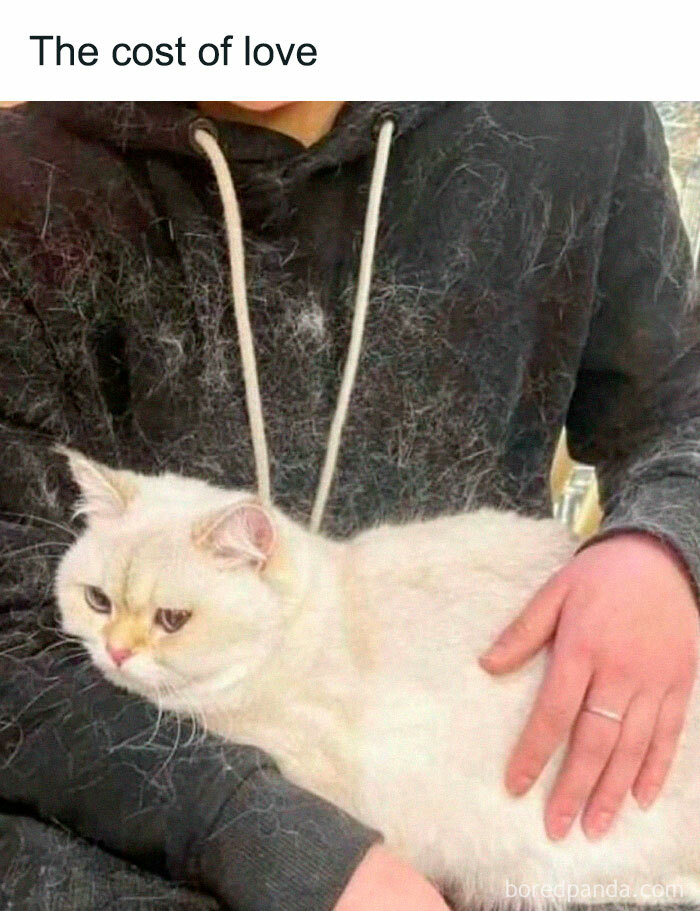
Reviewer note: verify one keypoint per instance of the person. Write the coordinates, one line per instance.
(531, 272)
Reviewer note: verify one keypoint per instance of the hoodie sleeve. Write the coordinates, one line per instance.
(635, 411)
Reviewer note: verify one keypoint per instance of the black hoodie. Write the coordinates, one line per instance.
(531, 272)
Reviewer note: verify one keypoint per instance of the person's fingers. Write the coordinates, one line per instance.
(592, 741)
(556, 707)
(623, 766)
(662, 749)
(534, 626)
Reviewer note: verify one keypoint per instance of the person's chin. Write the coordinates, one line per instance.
(261, 106)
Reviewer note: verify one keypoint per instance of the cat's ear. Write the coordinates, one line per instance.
(237, 535)
(104, 492)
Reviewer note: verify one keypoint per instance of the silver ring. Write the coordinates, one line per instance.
(603, 713)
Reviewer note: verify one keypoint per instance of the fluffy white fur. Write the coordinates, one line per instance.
(354, 665)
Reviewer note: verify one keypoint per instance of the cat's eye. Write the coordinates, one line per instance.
(172, 620)
(97, 599)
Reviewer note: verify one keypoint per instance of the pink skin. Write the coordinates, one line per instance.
(261, 106)
(622, 623)
(383, 882)
(119, 655)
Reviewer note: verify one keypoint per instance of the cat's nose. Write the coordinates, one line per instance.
(119, 655)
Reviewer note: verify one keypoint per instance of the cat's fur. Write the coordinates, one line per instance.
(354, 664)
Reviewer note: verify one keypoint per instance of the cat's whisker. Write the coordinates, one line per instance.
(91, 685)
(196, 719)
(29, 548)
(73, 658)
(25, 644)
(171, 669)
(194, 715)
(152, 743)
(42, 520)
(159, 718)
(15, 653)
(64, 636)
(64, 644)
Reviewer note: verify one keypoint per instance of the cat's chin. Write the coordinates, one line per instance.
(126, 681)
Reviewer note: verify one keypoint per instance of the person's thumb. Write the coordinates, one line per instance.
(531, 629)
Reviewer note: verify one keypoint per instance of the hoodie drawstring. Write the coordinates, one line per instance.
(234, 233)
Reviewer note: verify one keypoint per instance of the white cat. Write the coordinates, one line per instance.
(354, 664)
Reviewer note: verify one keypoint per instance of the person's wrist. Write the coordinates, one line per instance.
(384, 881)
(656, 545)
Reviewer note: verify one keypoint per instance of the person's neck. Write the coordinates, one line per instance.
(305, 121)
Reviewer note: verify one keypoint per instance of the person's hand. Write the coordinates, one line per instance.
(383, 882)
(623, 626)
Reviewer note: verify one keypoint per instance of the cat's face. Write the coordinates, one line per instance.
(166, 586)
